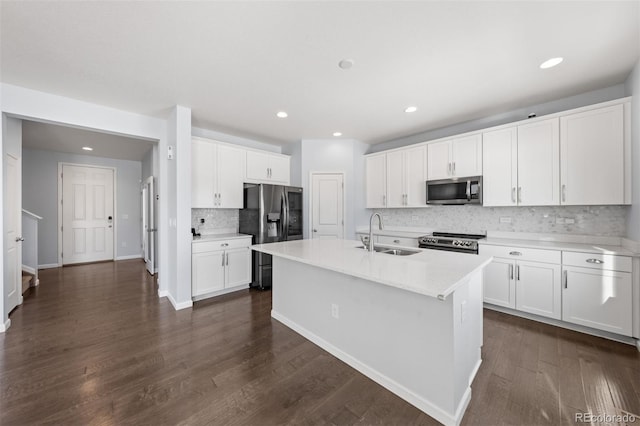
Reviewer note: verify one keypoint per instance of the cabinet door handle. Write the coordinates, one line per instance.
(515, 253)
(219, 199)
(513, 194)
(518, 272)
(596, 261)
(449, 169)
(222, 259)
(384, 200)
(519, 194)
(564, 192)
(510, 272)
(454, 168)
(226, 255)
(564, 278)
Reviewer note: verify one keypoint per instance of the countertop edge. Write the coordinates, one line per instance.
(561, 246)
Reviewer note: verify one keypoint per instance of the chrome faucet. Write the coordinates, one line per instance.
(370, 245)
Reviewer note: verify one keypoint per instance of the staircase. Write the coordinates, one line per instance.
(27, 281)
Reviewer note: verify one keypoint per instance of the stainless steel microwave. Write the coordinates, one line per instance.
(455, 191)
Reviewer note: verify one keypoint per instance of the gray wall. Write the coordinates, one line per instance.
(336, 155)
(40, 196)
(295, 151)
(563, 104)
(632, 87)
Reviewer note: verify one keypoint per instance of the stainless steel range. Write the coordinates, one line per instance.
(463, 243)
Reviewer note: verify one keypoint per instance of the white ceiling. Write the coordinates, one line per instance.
(237, 63)
(50, 137)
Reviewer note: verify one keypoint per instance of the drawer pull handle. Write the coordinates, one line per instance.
(510, 272)
(515, 253)
(396, 241)
(224, 244)
(596, 261)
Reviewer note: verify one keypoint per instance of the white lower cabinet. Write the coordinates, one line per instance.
(220, 266)
(596, 296)
(499, 285)
(524, 279)
(538, 289)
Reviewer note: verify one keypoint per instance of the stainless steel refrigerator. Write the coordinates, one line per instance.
(271, 213)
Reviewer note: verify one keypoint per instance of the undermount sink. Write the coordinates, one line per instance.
(391, 250)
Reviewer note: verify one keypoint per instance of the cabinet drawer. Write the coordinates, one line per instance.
(205, 246)
(608, 262)
(398, 241)
(520, 253)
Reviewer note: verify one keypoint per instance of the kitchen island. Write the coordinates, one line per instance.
(411, 323)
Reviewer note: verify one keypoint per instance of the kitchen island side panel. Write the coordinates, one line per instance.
(405, 341)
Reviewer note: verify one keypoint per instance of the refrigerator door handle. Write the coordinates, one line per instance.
(285, 214)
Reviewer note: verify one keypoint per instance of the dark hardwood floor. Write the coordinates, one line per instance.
(94, 345)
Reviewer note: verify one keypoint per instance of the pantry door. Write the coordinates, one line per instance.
(87, 214)
(327, 205)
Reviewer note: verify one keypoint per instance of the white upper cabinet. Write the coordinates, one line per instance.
(460, 157)
(217, 172)
(592, 152)
(406, 177)
(500, 167)
(395, 179)
(202, 173)
(439, 160)
(376, 180)
(539, 163)
(264, 167)
(415, 173)
(521, 165)
(467, 156)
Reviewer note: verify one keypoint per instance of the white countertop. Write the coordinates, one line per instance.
(430, 272)
(218, 237)
(559, 245)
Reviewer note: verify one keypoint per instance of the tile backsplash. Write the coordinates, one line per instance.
(587, 220)
(216, 221)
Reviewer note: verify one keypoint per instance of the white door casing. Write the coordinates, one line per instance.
(327, 205)
(148, 224)
(13, 237)
(87, 214)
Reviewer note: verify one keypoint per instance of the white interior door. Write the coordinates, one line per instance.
(327, 198)
(87, 214)
(13, 217)
(148, 225)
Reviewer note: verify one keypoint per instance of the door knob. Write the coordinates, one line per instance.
(315, 230)
(18, 239)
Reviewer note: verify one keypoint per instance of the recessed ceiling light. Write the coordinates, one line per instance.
(336, 134)
(410, 109)
(550, 63)
(282, 114)
(345, 64)
(87, 148)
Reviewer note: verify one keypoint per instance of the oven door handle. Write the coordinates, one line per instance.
(468, 190)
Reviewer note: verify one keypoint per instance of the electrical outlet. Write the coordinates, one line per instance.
(505, 219)
(335, 311)
(202, 220)
(559, 220)
(569, 220)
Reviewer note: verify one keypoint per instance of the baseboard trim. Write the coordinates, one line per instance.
(129, 257)
(28, 269)
(4, 327)
(49, 266)
(393, 386)
(163, 293)
(179, 306)
(559, 323)
(243, 286)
